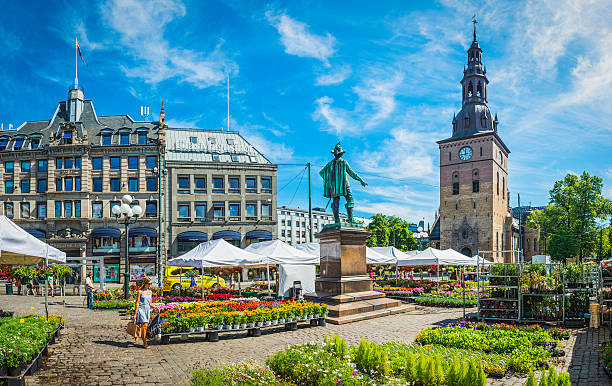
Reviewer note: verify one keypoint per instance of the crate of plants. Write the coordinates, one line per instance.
(455, 298)
(23, 343)
(223, 316)
(606, 357)
(400, 293)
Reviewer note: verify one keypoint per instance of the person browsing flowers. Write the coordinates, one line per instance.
(142, 311)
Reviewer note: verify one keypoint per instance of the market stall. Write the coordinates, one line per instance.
(373, 256)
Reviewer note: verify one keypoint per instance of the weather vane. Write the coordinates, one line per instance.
(475, 21)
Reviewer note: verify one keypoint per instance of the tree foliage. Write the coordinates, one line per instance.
(572, 221)
(390, 231)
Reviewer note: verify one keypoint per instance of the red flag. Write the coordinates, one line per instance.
(79, 50)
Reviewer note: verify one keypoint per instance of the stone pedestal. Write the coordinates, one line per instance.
(344, 284)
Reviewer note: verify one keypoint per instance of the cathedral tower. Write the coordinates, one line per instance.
(474, 171)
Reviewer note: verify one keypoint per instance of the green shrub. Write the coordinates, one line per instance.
(241, 374)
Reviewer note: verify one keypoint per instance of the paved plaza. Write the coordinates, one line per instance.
(94, 348)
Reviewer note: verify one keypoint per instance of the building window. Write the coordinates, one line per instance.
(9, 167)
(151, 162)
(34, 142)
(115, 163)
(58, 184)
(42, 165)
(283, 222)
(230, 141)
(25, 166)
(449, 156)
(58, 163)
(96, 210)
(125, 138)
(218, 211)
(77, 184)
(234, 185)
(67, 209)
(266, 185)
(18, 143)
(96, 163)
(234, 158)
(77, 209)
(193, 139)
(151, 209)
(503, 188)
(142, 138)
(218, 185)
(25, 186)
(183, 212)
(251, 185)
(77, 162)
(68, 163)
(215, 157)
(266, 212)
(133, 184)
(68, 184)
(200, 211)
(283, 233)
(200, 184)
(41, 209)
(133, 163)
(115, 184)
(151, 184)
(114, 204)
(234, 212)
(41, 187)
(251, 212)
(475, 186)
(455, 188)
(183, 185)
(67, 139)
(498, 183)
(8, 209)
(97, 184)
(106, 139)
(58, 209)
(25, 210)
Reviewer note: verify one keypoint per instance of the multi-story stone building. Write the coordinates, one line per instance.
(61, 177)
(293, 225)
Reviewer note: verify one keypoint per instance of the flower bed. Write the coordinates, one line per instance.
(235, 315)
(526, 347)
(444, 301)
(22, 339)
(427, 285)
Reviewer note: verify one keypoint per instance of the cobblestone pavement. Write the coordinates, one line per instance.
(94, 348)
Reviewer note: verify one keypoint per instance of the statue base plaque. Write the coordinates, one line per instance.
(344, 284)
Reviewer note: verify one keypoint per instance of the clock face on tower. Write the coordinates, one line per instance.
(465, 153)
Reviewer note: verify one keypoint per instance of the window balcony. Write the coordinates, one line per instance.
(151, 248)
(106, 249)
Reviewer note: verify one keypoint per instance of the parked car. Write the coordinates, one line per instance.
(177, 277)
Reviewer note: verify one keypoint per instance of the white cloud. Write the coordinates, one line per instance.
(334, 119)
(141, 27)
(274, 151)
(299, 41)
(334, 77)
(379, 94)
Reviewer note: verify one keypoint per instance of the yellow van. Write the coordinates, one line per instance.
(176, 277)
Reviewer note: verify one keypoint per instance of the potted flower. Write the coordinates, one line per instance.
(281, 316)
(236, 322)
(274, 316)
(243, 321)
(250, 319)
(229, 322)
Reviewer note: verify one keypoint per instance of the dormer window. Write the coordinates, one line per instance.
(34, 142)
(3, 143)
(67, 138)
(124, 136)
(107, 137)
(211, 141)
(230, 141)
(142, 136)
(18, 143)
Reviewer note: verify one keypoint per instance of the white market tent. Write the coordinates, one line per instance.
(372, 256)
(432, 256)
(18, 247)
(279, 252)
(217, 253)
(481, 261)
(394, 253)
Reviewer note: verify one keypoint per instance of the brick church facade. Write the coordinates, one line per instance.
(474, 214)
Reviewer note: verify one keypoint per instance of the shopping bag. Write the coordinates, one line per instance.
(133, 329)
(154, 328)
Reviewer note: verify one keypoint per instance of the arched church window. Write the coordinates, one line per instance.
(484, 120)
(479, 89)
(498, 183)
(470, 89)
(504, 188)
(467, 122)
(464, 234)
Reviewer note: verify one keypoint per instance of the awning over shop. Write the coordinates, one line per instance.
(143, 232)
(107, 232)
(227, 235)
(259, 234)
(192, 236)
(37, 233)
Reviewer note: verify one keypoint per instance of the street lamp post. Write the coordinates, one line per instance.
(127, 215)
(420, 235)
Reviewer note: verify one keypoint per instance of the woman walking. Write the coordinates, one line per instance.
(142, 311)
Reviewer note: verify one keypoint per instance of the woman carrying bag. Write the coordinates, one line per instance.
(142, 311)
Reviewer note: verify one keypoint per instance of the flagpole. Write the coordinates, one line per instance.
(76, 64)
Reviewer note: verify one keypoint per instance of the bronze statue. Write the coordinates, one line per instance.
(336, 183)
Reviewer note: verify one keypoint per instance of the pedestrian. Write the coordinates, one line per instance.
(142, 310)
(50, 280)
(35, 286)
(193, 282)
(89, 287)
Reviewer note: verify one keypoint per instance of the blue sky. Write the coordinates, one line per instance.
(382, 77)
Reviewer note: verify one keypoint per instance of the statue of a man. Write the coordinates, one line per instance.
(336, 183)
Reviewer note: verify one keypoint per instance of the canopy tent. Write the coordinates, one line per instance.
(279, 252)
(18, 247)
(481, 261)
(217, 253)
(372, 256)
(432, 256)
(395, 253)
